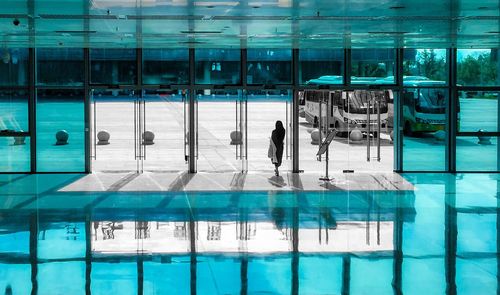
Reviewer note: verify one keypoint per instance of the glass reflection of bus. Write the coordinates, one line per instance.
(424, 109)
(347, 110)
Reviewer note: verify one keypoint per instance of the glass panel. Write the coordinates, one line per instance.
(271, 275)
(478, 67)
(61, 277)
(165, 66)
(115, 128)
(363, 268)
(14, 111)
(17, 276)
(15, 154)
(60, 66)
(476, 275)
(478, 111)
(320, 274)
(61, 240)
(424, 120)
(218, 275)
(476, 233)
(171, 275)
(14, 66)
(113, 66)
(114, 278)
(14, 235)
(477, 153)
(269, 66)
(60, 131)
(165, 119)
(218, 66)
(373, 66)
(431, 275)
(321, 66)
(425, 67)
(217, 111)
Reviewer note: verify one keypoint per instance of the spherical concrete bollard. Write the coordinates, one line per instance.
(236, 137)
(440, 135)
(19, 140)
(103, 137)
(485, 140)
(148, 138)
(356, 135)
(62, 137)
(315, 137)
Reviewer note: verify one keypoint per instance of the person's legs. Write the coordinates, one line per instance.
(276, 169)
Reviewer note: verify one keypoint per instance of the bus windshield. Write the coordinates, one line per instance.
(358, 102)
(430, 101)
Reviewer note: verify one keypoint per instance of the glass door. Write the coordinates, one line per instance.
(265, 108)
(118, 122)
(163, 140)
(221, 130)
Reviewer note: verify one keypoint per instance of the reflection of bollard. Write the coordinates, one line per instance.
(483, 139)
(62, 137)
(236, 137)
(440, 135)
(19, 140)
(148, 137)
(315, 137)
(356, 135)
(103, 137)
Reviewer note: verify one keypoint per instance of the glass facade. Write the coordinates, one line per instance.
(60, 66)
(424, 105)
(478, 67)
(165, 66)
(60, 131)
(113, 66)
(218, 66)
(321, 66)
(373, 66)
(269, 66)
(14, 67)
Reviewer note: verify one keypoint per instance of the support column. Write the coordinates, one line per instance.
(295, 112)
(451, 113)
(192, 115)
(398, 113)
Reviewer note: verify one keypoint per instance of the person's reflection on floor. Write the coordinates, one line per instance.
(8, 290)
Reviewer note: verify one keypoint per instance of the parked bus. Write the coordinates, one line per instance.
(347, 110)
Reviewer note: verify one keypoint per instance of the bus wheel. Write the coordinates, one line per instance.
(407, 130)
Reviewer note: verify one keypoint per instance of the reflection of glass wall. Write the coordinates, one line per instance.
(321, 66)
(425, 66)
(478, 67)
(424, 122)
(218, 66)
(113, 66)
(60, 66)
(14, 67)
(269, 66)
(60, 111)
(373, 66)
(165, 66)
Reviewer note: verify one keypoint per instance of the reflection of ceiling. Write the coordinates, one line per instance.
(127, 237)
(259, 23)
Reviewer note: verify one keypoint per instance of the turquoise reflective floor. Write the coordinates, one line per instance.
(441, 238)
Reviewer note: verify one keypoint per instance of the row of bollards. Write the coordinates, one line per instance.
(104, 136)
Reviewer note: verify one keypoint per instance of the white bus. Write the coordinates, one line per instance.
(347, 110)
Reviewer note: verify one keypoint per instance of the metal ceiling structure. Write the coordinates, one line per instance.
(250, 23)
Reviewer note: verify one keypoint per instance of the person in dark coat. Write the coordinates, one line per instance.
(277, 136)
